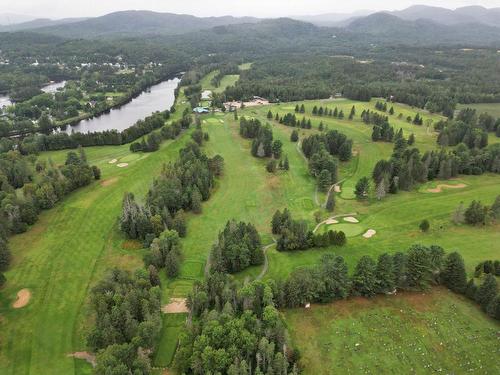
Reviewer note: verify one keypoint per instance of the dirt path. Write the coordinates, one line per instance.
(23, 298)
(266, 261)
(332, 218)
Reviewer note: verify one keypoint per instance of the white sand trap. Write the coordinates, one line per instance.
(221, 121)
(369, 233)
(351, 219)
(439, 188)
(86, 356)
(336, 189)
(112, 161)
(23, 298)
(122, 165)
(331, 221)
(176, 305)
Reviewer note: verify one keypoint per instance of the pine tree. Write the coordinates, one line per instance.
(330, 201)
(493, 308)
(453, 274)
(362, 188)
(471, 290)
(487, 291)
(418, 268)
(196, 200)
(286, 165)
(364, 281)
(381, 189)
(353, 113)
(424, 225)
(235, 115)
(320, 126)
(411, 139)
(324, 180)
(302, 109)
(386, 281)
(270, 115)
(294, 137)
(297, 108)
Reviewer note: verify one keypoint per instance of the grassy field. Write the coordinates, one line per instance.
(171, 329)
(491, 108)
(411, 333)
(72, 245)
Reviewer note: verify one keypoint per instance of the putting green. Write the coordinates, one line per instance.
(350, 230)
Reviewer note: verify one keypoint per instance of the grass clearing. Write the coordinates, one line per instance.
(171, 329)
(408, 333)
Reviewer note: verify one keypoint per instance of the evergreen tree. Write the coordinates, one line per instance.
(294, 137)
(493, 308)
(330, 202)
(320, 128)
(411, 139)
(418, 268)
(297, 110)
(424, 225)
(362, 188)
(196, 200)
(495, 208)
(364, 280)
(386, 279)
(453, 274)
(352, 113)
(324, 180)
(475, 213)
(487, 291)
(286, 165)
(471, 290)
(302, 109)
(399, 267)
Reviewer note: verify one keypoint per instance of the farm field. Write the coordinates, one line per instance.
(72, 245)
(417, 333)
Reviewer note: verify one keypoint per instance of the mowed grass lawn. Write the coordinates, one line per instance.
(63, 255)
(396, 217)
(411, 333)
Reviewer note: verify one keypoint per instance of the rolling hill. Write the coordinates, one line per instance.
(135, 23)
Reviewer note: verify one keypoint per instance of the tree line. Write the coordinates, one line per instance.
(41, 185)
(182, 186)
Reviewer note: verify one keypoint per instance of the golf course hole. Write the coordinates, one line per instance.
(370, 233)
(440, 187)
(350, 230)
(23, 298)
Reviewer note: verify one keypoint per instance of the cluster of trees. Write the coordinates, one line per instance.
(484, 121)
(182, 186)
(454, 132)
(320, 150)
(59, 141)
(477, 213)
(238, 247)
(165, 252)
(336, 113)
(193, 94)
(153, 141)
(407, 166)
(383, 132)
(127, 322)
(295, 234)
(234, 330)
(262, 135)
(486, 295)
(291, 120)
(488, 266)
(418, 269)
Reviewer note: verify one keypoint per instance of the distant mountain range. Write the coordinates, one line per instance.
(11, 18)
(127, 23)
(417, 24)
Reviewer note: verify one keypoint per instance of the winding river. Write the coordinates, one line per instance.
(158, 98)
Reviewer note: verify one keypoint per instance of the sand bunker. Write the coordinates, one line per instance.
(331, 221)
(369, 233)
(176, 306)
(122, 165)
(112, 161)
(109, 181)
(86, 356)
(336, 189)
(23, 298)
(439, 188)
(351, 219)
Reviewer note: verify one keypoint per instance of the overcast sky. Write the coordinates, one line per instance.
(259, 8)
